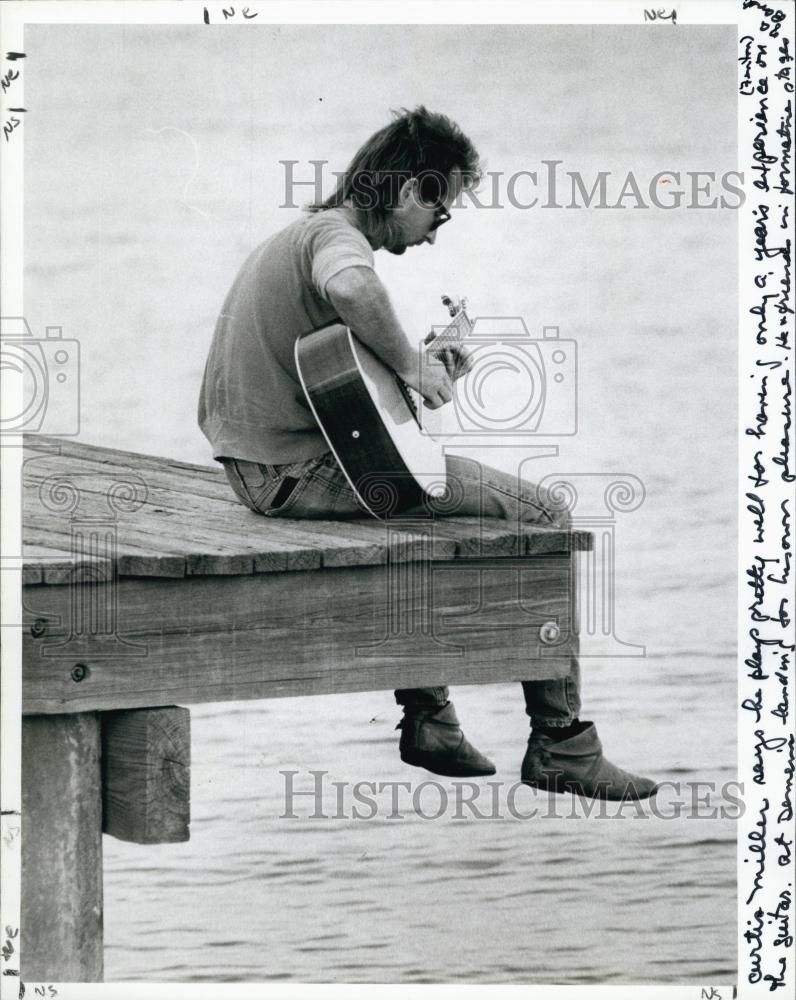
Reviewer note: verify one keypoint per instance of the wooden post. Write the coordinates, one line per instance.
(61, 848)
(146, 775)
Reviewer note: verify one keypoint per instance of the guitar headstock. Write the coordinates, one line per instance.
(454, 308)
(459, 327)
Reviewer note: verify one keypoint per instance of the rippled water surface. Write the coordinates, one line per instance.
(152, 169)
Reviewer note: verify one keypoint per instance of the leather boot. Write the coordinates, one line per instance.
(432, 738)
(577, 765)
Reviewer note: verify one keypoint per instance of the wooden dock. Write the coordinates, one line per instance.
(148, 586)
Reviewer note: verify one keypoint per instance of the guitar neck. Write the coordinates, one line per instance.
(460, 327)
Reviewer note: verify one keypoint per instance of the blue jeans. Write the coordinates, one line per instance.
(318, 489)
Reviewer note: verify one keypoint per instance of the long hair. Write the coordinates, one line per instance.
(417, 144)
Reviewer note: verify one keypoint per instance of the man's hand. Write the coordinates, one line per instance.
(433, 373)
(363, 305)
(456, 357)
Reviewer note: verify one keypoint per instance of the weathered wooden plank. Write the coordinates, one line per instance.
(321, 544)
(106, 485)
(279, 551)
(337, 543)
(146, 770)
(175, 516)
(318, 632)
(198, 555)
(163, 473)
(145, 554)
(237, 540)
(53, 446)
(481, 537)
(543, 541)
(143, 559)
(235, 529)
(332, 545)
(177, 532)
(475, 536)
(149, 524)
(164, 483)
(209, 484)
(59, 566)
(411, 540)
(61, 848)
(129, 560)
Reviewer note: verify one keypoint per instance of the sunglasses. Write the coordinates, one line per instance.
(441, 216)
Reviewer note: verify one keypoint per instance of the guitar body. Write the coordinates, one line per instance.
(369, 421)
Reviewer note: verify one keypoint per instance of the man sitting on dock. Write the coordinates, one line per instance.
(252, 409)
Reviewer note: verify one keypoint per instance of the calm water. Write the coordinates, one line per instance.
(152, 169)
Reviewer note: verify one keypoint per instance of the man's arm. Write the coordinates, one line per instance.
(362, 303)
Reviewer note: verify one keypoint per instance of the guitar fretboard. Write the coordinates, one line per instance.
(459, 327)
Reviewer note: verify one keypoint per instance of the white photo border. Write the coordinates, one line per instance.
(766, 78)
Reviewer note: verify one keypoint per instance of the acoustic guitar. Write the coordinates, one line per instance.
(382, 435)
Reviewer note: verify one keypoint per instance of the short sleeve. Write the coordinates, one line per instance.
(331, 244)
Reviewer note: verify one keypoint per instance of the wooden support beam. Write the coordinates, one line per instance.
(146, 775)
(362, 628)
(61, 849)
